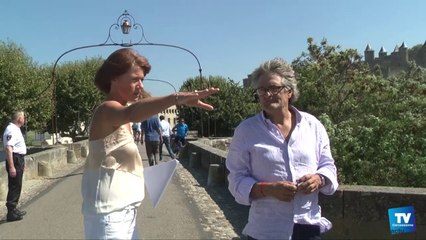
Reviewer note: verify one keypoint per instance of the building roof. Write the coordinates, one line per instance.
(403, 45)
(368, 48)
(396, 49)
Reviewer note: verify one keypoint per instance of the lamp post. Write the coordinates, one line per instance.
(126, 23)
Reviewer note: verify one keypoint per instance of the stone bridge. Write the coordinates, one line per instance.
(357, 212)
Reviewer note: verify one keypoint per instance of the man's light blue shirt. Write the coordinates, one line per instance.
(259, 152)
(151, 127)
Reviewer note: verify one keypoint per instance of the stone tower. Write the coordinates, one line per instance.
(395, 62)
(403, 53)
(369, 54)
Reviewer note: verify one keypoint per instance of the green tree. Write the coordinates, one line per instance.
(377, 126)
(76, 95)
(232, 105)
(22, 84)
(333, 81)
(39, 99)
(417, 54)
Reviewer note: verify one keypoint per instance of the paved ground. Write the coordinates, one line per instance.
(188, 210)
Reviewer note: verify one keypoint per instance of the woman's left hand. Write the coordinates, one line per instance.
(192, 99)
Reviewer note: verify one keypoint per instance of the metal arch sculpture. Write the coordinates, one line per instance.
(125, 23)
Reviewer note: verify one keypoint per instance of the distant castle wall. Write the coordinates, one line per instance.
(397, 61)
(247, 81)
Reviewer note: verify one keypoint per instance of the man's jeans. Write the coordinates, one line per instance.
(152, 152)
(166, 141)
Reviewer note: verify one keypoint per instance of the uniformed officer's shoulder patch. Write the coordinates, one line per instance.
(9, 137)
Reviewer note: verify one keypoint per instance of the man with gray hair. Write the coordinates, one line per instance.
(279, 160)
(15, 150)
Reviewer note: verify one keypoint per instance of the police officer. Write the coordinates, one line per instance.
(15, 150)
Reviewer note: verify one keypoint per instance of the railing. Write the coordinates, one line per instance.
(357, 212)
(44, 163)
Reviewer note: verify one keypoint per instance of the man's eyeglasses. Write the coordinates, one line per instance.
(273, 90)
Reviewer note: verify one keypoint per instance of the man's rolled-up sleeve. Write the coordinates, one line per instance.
(237, 162)
(326, 166)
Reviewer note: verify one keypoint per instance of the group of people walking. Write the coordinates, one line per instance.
(156, 132)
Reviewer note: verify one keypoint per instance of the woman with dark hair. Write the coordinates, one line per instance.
(113, 179)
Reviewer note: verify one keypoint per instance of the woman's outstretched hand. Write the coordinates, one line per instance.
(192, 99)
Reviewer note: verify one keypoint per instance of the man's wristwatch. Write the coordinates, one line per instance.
(322, 180)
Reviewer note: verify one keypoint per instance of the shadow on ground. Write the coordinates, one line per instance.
(236, 214)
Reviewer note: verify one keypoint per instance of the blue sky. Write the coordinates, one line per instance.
(229, 37)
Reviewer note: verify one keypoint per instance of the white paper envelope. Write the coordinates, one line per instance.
(157, 178)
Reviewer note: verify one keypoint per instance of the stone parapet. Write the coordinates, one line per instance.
(43, 162)
(361, 212)
(357, 212)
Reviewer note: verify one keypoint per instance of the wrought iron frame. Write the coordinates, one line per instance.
(125, 20)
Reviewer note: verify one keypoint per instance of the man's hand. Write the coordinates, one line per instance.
(309, 183)
(9, 158)
(282, 190)
(12, 172)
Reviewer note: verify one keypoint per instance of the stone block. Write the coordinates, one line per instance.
(31, 168)
(3, 185)
(71, 156)
(84, 151)
(215, 177)
(194, 160)
(44, 169)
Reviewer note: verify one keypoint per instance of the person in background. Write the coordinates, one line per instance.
(112, 185)
(15, 150)
(166, 131)
(136, 127)
(181, 132)
(279, 160)
(151, 128)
